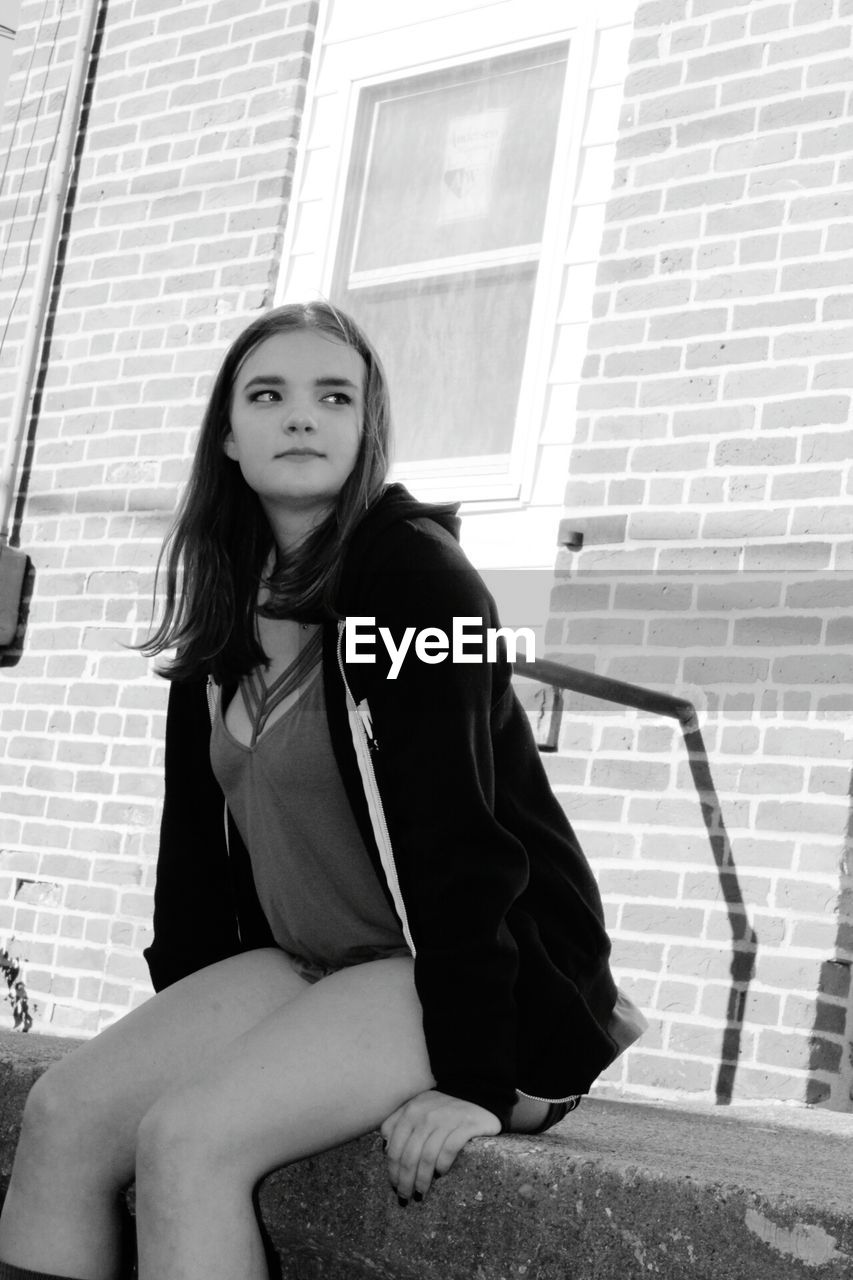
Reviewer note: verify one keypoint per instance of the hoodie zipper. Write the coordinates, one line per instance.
(366, 745)
(211, 707)
(573, 1098)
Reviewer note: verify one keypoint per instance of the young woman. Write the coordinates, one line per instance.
(370, 910)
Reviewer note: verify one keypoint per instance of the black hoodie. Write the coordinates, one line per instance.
(494, 895)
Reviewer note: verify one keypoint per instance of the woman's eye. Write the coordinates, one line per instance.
(264, 397)
(338, 397)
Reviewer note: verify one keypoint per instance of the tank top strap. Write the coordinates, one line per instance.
(261, 699)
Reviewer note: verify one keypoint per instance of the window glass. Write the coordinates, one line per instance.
(440, 243)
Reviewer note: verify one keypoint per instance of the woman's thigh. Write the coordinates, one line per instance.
(327, 1066)
(105, 1087)
(262, 1064)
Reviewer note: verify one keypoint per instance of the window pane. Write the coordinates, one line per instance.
(440, 241)
(462, 168)
(453, 350)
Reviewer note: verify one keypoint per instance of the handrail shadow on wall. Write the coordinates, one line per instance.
(833, 1017)
(744, 938)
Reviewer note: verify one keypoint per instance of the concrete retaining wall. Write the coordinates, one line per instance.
(619, 1191)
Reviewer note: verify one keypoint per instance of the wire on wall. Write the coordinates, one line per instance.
(22, 102)
(59, 175)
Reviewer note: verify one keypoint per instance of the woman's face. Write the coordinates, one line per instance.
(297, 409)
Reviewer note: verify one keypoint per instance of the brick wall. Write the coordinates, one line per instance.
(712, 479)
(173, 243)
(710, 476)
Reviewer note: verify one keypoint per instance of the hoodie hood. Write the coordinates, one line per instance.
(394, 505)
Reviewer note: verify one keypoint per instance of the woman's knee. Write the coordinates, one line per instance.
(184, 1134)
(61, 1117)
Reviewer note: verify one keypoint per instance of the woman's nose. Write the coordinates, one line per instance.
(298, 420)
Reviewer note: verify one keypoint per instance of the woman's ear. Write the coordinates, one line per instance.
(229, 446)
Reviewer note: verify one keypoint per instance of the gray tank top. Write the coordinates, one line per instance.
(313, 874)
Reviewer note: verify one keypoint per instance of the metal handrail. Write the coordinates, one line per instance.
(744, 936)
(576, 680)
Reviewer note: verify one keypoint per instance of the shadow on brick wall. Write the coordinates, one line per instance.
(831, 1042)
(744, 937)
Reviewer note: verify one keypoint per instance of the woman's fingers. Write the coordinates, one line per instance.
(437, 1158)
(425, 1136)
(415, 1168)
(398, 1131)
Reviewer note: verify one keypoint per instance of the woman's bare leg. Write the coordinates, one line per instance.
(78, 1141)
(326, 1067)
(226, 1075)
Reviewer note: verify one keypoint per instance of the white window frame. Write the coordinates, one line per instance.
(504, 480)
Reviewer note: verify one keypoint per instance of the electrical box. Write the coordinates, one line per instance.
(13, 565)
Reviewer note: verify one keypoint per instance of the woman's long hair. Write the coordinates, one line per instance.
(220, 541)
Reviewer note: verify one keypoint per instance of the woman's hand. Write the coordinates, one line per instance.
(425, 1135)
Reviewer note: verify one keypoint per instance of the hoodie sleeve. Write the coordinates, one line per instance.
(459, 870)
(194, 918)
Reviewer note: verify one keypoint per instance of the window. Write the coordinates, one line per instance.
(440, 246)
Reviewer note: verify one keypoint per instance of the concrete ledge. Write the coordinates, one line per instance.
(621, 1190)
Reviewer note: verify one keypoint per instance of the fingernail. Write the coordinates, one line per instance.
(401, 1202)
(417, 1197)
